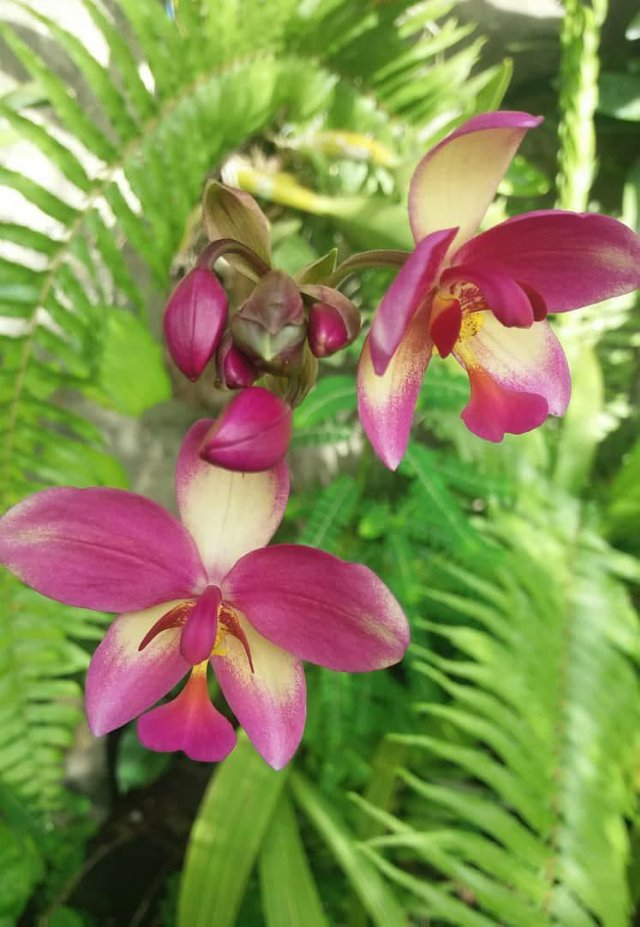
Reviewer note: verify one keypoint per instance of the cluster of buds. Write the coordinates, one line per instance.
(276, 333)
(283, 321)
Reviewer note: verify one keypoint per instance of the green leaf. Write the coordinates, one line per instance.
(136, 766)
(289, 893)
(619, 96)
(226, 838)
(333, 509)
(330, 396)
(379, 901)
(580, 428)
(21, 868)
(133, 376)
(492, 94)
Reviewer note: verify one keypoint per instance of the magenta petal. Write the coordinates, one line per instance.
(194, 321)
(99, 548)
(270, 702)
(252, 434)
(570, 259)
(122, 680)
(319, 608)
(493, 411)
(506, 299)
(386, 403)
(404, 297)
(456, 181)
(199, 633)
(227, 513)
(189, 723)
(518, 377)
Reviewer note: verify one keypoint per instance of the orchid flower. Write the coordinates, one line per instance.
(203, 592)
(484, 299)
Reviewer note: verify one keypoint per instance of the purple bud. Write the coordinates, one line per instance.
(198, 636)
(334, 322)
(235, 370)
(327, 333)
(194, 321)
(252, 434)
(270, 326)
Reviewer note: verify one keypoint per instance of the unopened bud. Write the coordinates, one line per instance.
(270, 326)
(194, 320)
(235, 370)
(252, 434)
(334, 322)
(327, 332)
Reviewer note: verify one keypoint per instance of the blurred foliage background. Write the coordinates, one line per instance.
(492, 778)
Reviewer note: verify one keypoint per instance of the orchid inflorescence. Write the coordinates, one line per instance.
(205, 592)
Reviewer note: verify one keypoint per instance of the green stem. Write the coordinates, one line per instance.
(580, 40)
(366, 260)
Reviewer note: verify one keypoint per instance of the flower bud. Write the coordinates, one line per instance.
(334, 322)
(252, 434)
(235, 370)
(270, 326)
(327, 333)
(194, 321)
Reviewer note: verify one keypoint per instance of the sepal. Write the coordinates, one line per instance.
(270, 326)
(231, 213)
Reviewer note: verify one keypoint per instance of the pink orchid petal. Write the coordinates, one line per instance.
(99, 548)
(227, 513)
(269, 703)
(404, 297)
(194, 321)
(189, 723)
(122, 680)
(570, 259)
(252, 434)
(506, 299)
(386, 403)
(518, 377)
(456, 181)
(319, 608)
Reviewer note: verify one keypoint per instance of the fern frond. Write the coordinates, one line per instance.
(536, 733)
(40, 706)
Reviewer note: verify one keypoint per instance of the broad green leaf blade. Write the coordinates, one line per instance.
(289, 893)
(226, 837)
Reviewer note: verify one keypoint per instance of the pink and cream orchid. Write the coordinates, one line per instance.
(484, 299)
(198, 593)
